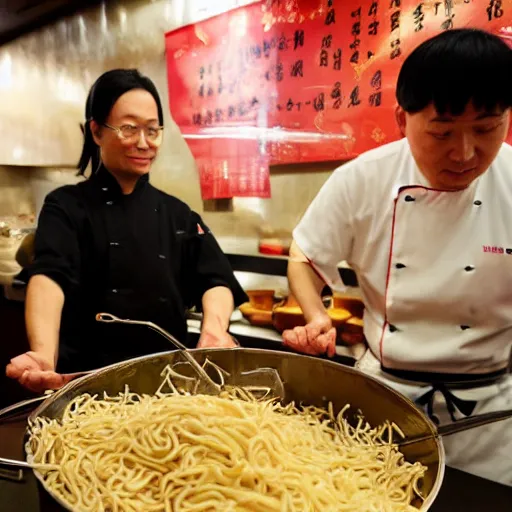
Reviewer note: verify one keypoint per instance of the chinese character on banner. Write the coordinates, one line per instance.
(217, 103)
(280, 82)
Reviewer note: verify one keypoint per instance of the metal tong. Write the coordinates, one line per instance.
(262, 377)
(109, 319)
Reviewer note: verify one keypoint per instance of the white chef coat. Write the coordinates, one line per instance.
(434, 267)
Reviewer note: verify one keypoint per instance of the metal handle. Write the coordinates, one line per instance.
(461, 426)
(6, 474)
(11, 474)
(17, 463)
(20, 464)
(108, 318)
(23, 403)
(473, 422)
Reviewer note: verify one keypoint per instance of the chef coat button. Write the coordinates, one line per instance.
(105, 189)
(162, 299)
(162, 256)
(114, 244)
(110, 203)
(114, 290)
(464, 327)
(392, 328)
(409, 199)
(478, 202)
(399, 265)
(469, 268)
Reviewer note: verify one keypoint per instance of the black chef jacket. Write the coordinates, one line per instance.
(142, 256)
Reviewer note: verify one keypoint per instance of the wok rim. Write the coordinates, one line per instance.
(427, 503)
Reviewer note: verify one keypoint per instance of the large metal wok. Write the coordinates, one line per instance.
(306, 379)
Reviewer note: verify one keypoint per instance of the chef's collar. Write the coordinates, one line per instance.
(107, 182)
(421, 180)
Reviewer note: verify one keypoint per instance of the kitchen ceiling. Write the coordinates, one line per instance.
(20, 16)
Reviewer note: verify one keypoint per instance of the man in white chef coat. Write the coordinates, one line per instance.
(426, 224)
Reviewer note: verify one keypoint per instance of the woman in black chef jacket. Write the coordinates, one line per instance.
(116, 244)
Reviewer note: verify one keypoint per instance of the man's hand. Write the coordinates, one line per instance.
(315, 338)
(216, 340)
(35, 372)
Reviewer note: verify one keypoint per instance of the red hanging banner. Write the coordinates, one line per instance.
(218, 100)
(299, 80)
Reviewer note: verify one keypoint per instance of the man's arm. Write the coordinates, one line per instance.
(305, 284)
(317, 336)
(323, 238)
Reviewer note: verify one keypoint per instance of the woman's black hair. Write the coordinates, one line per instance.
(103, 94)
(454, 68)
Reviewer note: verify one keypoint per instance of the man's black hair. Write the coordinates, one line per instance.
(454, 68)
(103, 94)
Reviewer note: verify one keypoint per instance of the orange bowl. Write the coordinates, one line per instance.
(261, 299)
(352, 304)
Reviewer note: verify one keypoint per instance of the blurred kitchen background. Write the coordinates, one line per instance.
(44, 79)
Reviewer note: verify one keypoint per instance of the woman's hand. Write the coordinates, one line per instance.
(315, 338)
(217, 308)
(35, 372)
(221, 339)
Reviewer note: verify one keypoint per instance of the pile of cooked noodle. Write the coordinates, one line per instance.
(180, 452)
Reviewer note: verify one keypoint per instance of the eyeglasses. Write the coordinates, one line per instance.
(131, 133)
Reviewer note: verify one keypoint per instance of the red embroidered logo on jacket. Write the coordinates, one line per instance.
(200, 230)
(495, 249)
